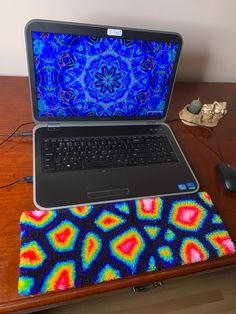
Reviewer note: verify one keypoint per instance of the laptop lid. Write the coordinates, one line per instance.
(81, 72)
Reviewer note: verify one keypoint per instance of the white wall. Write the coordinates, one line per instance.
(208, 28)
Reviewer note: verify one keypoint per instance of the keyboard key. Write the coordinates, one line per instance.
(49, 166)
(101, 164)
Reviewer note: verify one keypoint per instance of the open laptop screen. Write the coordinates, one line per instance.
(89, 77)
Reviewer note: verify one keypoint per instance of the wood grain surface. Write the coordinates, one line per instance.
(16, 162)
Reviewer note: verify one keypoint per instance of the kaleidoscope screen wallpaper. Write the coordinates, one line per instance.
(85, 76)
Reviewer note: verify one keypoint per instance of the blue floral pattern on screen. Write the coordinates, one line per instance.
(95, 76)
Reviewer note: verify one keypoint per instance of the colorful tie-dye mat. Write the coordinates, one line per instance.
(85, 245)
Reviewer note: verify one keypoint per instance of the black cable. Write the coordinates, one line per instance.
(27, 179)
(218, 153)
(9, 184)
(12, 134)
(17, 134)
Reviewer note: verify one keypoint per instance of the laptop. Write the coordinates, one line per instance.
(100, 96)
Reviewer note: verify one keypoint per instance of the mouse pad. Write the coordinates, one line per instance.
(85, 245)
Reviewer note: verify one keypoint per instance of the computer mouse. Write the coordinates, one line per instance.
(227, 176)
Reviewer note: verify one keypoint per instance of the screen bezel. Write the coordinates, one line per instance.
(94, 30)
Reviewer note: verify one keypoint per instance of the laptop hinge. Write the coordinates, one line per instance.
(54, 126)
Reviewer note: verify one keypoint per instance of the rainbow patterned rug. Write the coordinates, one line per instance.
(86, 245)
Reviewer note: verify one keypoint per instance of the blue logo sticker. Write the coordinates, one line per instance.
(182, 187)
(191, 185)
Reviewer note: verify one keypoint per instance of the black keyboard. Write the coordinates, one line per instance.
(60, 154)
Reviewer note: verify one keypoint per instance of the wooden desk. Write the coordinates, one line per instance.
(16, 162)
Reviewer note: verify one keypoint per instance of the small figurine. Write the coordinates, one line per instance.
(195, 106)
(206, 115)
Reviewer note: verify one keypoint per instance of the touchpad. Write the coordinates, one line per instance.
(106, 183)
